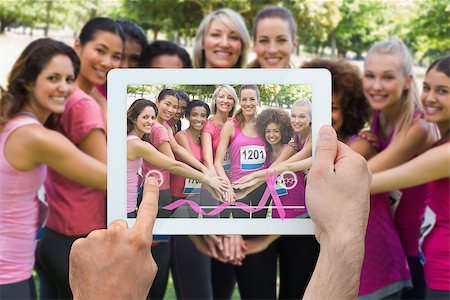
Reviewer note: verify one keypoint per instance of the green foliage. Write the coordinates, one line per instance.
(348, 25)
(430, 30)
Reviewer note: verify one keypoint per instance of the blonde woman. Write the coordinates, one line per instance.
(222, 41)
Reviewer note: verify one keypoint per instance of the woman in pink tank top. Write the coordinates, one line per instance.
(38, 86)
(389, 86)
(432, 167)
(246, 149)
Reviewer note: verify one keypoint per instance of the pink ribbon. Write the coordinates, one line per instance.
(270, 190)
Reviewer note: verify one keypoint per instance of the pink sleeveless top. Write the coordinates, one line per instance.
(185, 187)
(157, 136)
(436, 246)
(409, 213)
(291, 192)
(19, 211)
(385, 268)
(247, 154)
(132, 179)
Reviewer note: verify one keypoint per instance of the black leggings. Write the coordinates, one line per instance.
(256, 277)
(52, 264)
(298, 256)
(252, 200)
(161, 254)
(418, 280)
(191, 270)
(24, 289)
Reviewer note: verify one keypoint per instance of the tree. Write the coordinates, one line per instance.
(363, 23)
(430, 29)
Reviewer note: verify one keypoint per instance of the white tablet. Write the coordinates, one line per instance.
(122, 87)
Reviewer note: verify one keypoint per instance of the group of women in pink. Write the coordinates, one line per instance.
(53, 133)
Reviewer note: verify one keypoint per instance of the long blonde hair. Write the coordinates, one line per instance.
(233, 20)
(410, 98)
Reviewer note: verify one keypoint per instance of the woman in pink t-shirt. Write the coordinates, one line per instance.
(76, 210)
(431, 166)
(38, 86)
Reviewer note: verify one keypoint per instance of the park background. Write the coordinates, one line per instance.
(334, 28)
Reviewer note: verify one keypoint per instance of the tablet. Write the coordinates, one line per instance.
(126, 85)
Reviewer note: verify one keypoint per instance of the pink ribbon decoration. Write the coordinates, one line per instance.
(270, 190)
(271, 187)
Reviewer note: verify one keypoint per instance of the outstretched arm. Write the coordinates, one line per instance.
(138, 148)
(182, 154)
(415, 141)
(207, 151)
(43, 146)
(431, 165)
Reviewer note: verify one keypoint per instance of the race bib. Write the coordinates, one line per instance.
(227, 161)
(429, 220)
(280, 186)
(252, 157)
(192, 186)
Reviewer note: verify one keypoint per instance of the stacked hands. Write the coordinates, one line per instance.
(222, 189)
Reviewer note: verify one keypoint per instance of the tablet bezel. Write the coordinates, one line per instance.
(118, 81)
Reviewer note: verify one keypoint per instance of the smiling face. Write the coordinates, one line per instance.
(384, 82)
(224, 102)
(300, 119)
(248, 102)
(167, 107)
(53, 85)
(98, 56)
(273, 133)
(436, 99)
(222, 46)
(198, 117)
(273, 43)
(145, 121)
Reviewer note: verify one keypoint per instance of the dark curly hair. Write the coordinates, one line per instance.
(346, 85)
(278, 116)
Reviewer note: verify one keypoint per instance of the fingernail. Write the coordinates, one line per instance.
(326, 133)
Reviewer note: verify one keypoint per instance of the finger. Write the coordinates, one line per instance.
(326, 149)
(212, 247)
(218, 241)
(226, 247)
(145, 219)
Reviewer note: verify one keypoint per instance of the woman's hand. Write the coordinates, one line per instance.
(371, 137)
(247, 181)
(219, 184)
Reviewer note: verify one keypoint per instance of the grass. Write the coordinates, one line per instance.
(170, 292)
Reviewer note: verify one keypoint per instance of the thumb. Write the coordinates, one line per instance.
(326, 150)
